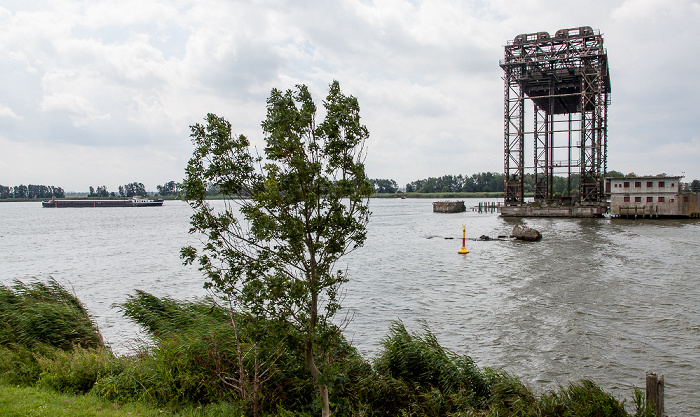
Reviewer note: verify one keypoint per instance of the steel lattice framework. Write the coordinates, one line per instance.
(566, 78)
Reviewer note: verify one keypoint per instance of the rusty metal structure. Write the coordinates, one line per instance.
(566, 78)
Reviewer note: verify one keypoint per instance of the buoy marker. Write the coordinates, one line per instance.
(464, 238)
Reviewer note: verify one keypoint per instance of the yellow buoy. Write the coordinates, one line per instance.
(464, 238)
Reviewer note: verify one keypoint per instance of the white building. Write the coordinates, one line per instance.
(652, 197)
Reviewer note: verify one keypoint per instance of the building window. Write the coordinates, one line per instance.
(627, 184)
(672, 200)
(673, 185)
(638, 184)
(650, 199)
(650, 184)
(685, 199)
(626, 199)
(638, 199)
(661, 199)
(662, 184)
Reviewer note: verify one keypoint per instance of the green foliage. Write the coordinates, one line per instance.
(169, 188)
(195, 351)
(31, 192)
(305, 207)
(581, 399)
(163, 316)
(384, 186)
(166, 374)
(18, 365)
(414, 372)
(45, 314)
(77, 371)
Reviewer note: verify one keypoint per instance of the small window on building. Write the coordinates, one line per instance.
(672, 200)
(638, 199)
(626, 199)
(627, 184)
(650, 199)
(685, 199)
(673, 185)
(650, 184)
(662, 184)
(638, 184)
(662, 199)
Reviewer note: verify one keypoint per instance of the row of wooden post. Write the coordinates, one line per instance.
(487, 207)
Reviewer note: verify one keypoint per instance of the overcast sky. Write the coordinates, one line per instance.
(103, 92)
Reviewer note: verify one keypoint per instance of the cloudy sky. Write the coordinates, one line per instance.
(103, 92)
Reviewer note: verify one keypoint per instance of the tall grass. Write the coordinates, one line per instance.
(205, 356)
(45, 314)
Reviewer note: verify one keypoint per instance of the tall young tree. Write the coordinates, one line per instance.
(305, 205)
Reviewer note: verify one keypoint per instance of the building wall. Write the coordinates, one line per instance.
(649, 197)
(689, 203)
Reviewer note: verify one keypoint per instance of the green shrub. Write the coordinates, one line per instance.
(415, 373)
(584, 399)
(77, 371)
(509, 396)
(45, 314)
(18, 366)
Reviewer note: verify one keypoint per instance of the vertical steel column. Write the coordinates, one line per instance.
(514, 128)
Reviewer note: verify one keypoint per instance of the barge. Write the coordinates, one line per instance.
(133, 202)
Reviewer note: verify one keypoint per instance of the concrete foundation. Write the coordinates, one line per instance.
(552, 211)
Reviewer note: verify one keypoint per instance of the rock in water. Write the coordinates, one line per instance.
(526, 233)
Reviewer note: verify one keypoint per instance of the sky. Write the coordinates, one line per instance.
(103, 92)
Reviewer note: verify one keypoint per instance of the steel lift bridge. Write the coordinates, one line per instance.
(566, 78)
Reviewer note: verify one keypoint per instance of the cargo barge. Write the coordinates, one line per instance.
(133, 202)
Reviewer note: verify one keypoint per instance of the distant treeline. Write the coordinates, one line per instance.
(133, 189)
(489, 182)
(31, 191)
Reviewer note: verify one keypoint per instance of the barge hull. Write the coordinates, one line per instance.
(101, 203)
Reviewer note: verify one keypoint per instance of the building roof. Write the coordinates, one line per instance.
(650, 177)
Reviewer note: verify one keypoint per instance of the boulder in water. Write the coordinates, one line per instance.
(525, 233)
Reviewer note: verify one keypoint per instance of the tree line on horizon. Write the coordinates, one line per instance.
(483, 182)
(486, 182)
(132, 189)
(31, 191)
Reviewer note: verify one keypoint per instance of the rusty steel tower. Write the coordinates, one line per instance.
(567, 80)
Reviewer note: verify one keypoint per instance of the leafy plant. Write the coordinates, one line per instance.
(45, 314)
(77, 371)
(305, 206)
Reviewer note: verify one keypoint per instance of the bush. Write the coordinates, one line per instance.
(581, 399)
(45, 314)
(18, 365)
(77, 371)
(415, 373)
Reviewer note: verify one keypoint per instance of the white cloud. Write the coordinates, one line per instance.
(8, 113)
(126, 75)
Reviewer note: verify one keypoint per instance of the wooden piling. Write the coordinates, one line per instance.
(655, 393)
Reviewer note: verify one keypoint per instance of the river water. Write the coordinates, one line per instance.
(600, 299)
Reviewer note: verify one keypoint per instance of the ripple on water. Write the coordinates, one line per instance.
(598, 299)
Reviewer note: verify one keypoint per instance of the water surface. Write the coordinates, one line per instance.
(601, 299)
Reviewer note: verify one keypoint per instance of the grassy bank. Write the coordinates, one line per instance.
(21, 401)
(206, 360)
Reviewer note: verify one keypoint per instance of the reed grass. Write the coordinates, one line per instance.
(41, 313)
(48, 344)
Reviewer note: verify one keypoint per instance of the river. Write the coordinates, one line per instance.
(600, 299)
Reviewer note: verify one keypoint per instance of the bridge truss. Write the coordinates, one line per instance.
(566, 78)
